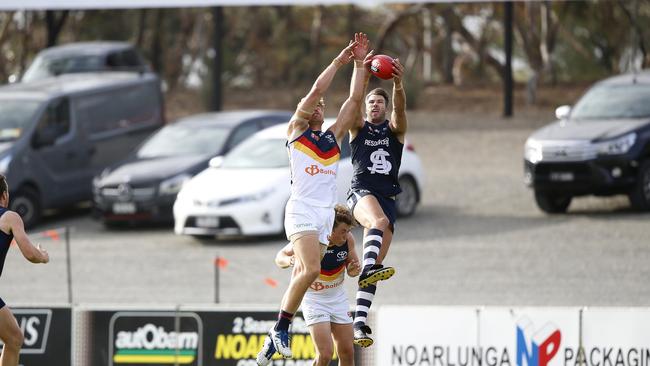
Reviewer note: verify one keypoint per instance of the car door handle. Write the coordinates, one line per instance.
(70, 155)
(92, 151)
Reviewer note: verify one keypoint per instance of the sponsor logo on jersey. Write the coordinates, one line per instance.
(384, 142)
(314, 170)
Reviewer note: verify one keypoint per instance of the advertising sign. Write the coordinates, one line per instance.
(155, 338)
(425, 335)
(201, 338)
(529, 336)
(40, 345)
(613, 337)
(235, 338)
(464, 336)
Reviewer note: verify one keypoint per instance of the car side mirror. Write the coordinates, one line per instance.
(562, 112)
(216, 162)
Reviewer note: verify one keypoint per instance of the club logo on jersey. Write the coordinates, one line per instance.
(329, 138)
(314, 169)
(379, 163)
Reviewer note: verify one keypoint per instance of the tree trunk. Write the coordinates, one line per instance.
(4, 31)
(457, 26)
(633, 17)
(54, 25)
(447, 49)
(141, 27)
(427, 48)
(392, 22)
(156, 42)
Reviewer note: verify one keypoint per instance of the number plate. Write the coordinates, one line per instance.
(207, 221)
(124, 208)
(561, 176)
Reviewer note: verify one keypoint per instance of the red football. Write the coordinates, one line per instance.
(382, 67)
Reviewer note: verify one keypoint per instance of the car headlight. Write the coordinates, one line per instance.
(617, 146)
(248, 198)
(174, 184)
(4, 164)
(533, 151)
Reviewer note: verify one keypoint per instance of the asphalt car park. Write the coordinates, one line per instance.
(476, 239)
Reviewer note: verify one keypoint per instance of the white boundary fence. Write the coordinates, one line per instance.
(222, 335)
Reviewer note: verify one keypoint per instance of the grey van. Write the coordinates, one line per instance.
(57, 133)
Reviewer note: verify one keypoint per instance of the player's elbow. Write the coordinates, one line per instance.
(298, 124)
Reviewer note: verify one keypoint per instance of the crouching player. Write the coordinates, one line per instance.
(325, 305)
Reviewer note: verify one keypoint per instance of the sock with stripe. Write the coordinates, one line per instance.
(284, 320)
(364, 301)
(371, 245)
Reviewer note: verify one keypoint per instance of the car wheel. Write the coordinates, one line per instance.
(26, 202)
(552, 203)
(640, 195)
(408, 200)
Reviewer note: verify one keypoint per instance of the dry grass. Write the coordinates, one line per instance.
(483, 100)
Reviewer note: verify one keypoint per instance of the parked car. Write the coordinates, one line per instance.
(143, 187)
(56, 134)
(85, 57)
(245, 192)
(599, 147)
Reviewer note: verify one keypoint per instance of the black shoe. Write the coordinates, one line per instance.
(374, 274)
(361, 338)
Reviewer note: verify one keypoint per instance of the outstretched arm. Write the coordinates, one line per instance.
(349, 117)
(398, 117)
(34, 254)
(300, 120)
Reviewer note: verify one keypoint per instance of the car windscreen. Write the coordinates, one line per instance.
(177, 140)
(43, 67)
(258, 153)
(614, 101)
(15, 116)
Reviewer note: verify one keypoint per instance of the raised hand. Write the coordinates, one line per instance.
(368, 59)
(398, 70)
(361, 49)
(346, 54)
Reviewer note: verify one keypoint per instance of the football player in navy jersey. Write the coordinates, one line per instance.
(376, 146)
(11, 227)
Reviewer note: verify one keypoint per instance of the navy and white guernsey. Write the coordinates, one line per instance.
(5, 242)
(376, 158)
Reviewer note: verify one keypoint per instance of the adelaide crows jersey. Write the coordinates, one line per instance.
(332, 270)
(376, 158)
(314, 157)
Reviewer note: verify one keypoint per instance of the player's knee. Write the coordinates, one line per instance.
(346, 353)
(14, 339)
(324, 356)
(311, 273)
(380, 223)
